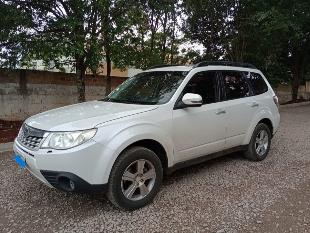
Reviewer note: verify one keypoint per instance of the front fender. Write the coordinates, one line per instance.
(119, 140)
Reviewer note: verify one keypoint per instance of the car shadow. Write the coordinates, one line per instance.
(94, 201)
(198, 168)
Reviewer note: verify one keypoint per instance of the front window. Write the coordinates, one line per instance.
(203, 84)
(155, 87)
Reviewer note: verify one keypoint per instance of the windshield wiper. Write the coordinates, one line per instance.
(144, 102)
(107, 99)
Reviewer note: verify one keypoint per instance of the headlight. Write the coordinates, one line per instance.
(67, 140)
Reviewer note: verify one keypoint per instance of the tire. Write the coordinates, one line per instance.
(253, 152)
(131, 186)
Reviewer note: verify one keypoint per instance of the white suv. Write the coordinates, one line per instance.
(160, 120)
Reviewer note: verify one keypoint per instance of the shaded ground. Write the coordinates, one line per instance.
(295, 101)
(229, 194)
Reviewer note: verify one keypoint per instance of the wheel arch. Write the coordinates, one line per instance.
(267, 122)
(263, 117)
(154, 146)
(146, 135)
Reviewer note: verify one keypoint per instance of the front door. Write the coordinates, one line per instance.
(199, 131)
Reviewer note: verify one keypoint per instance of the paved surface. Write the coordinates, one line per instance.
(229, 194)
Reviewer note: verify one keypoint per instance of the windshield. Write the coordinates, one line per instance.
(155, 87)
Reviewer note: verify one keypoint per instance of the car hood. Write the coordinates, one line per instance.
(84, 115)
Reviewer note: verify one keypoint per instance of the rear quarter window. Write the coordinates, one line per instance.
(258, 84)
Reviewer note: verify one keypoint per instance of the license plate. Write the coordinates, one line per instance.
(20, 161)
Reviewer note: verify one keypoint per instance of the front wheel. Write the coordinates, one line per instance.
(260, 143)
(135, 178)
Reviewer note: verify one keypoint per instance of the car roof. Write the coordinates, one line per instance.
(209, 67)
(170, 68)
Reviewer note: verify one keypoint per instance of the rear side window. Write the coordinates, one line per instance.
(235, 85)
(257, 82)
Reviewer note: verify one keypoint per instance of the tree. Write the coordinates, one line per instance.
(64, 31)
(77, 32)
(286, 23)
(11, 39)
(114, 22)
(210, 23)
(274, 35)
(152, 36)
(86, 33)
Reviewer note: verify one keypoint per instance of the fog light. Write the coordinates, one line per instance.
(66, 184)
(72, 185)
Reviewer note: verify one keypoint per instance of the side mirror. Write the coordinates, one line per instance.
(192, 100)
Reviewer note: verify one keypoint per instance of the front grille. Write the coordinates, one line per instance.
(30, 137)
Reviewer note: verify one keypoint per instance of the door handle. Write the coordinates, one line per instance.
(220, 111)
(254, 105)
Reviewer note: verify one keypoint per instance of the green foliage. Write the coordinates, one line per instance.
(13, 33)
(274, 35)
(285, 24)
(211, 24)
(152, 35)
(75, 32)
(132, 33)
(55, 32)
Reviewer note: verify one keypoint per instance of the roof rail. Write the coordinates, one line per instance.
(161, 66)
(224, 63)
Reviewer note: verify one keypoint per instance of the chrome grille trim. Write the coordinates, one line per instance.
(30, 137)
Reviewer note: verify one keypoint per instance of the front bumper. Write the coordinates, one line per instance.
(69, 170)
(70, 182)
(31, 162)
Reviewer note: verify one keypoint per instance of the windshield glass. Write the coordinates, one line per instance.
(155, 87)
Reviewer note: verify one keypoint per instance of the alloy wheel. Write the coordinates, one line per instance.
(138, 179)
(261, 142)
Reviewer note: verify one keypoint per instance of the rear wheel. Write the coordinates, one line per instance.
(260, 143)
(135, 178)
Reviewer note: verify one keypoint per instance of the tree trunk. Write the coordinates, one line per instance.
(107, 46)
(173, 36)
(108, 86)
(154, 28)
(80, 80)
(164, 38)
(298, 64)
(295, 82)
(171, 51)
(141, 61)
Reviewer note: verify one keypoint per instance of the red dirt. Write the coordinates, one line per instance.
(9, 130)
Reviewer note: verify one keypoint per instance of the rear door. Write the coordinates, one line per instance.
(240, 105)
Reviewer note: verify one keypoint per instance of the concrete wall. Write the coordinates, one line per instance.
(40, 65)
(284, 92)
(26, 92)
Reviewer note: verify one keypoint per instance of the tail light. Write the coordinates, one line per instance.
(276, 100)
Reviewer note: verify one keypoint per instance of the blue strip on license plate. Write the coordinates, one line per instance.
(20, 161)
